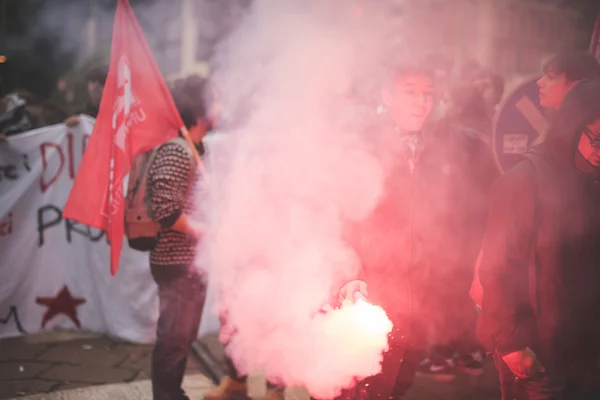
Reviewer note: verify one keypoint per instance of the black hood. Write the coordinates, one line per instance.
(580, 107)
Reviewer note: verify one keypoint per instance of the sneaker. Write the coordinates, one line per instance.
(470, 364)
(439, 369)
(227, 389)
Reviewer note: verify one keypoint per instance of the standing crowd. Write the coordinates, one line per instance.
(529, 236)
(469, 262)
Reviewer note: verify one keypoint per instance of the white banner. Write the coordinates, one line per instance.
(55, 272)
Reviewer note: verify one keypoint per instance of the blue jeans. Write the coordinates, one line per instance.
(181, 302)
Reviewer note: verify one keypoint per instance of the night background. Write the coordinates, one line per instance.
(41, 40)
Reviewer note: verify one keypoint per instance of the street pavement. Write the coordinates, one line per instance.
(68, 366)
(60, 361)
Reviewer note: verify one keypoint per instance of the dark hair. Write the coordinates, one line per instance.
(438, 61)
(414, 68)
(574, 64)
(466, 99)
(178, 84)
(192, 91)
(496, 80)
(498, 84)
(97, 74)
(188, 113)
(589, 94)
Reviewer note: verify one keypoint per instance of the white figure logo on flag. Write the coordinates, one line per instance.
(126, 113)
(124, 104)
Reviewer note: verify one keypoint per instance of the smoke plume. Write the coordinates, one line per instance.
(302, 77)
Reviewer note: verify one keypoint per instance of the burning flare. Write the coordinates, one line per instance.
(355, 331)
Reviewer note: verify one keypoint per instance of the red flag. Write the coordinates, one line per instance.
(136, 114)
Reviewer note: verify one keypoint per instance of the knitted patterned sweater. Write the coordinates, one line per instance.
(170, 183)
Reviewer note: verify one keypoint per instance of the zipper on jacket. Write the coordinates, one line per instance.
(411, 166)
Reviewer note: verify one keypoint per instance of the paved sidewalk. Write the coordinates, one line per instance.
(66, 366)
(53, 362)
(195, 386)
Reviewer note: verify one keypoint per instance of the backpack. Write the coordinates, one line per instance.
(140, 228)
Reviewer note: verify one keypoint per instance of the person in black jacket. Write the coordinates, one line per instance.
(540, 268)
(454, 345)
(407, 239)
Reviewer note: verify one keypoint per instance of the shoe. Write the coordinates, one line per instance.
(227, 389)
(470, 364)
(439, 369)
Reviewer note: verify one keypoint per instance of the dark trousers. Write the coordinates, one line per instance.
(452, 315)
(233, 372)
(181, 302)
(398, 368)
(236, 376)
(542, 386)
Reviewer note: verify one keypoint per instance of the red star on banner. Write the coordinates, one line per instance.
(63, 303)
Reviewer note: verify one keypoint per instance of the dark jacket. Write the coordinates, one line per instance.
(90, 109)
(540, 270)
(472, 154)
(414, 235)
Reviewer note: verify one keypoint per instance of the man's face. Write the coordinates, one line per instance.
(410, 101)
(95, 91)
(553, 89)
(585, 147)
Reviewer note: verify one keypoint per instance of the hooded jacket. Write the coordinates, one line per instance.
(540, 270)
